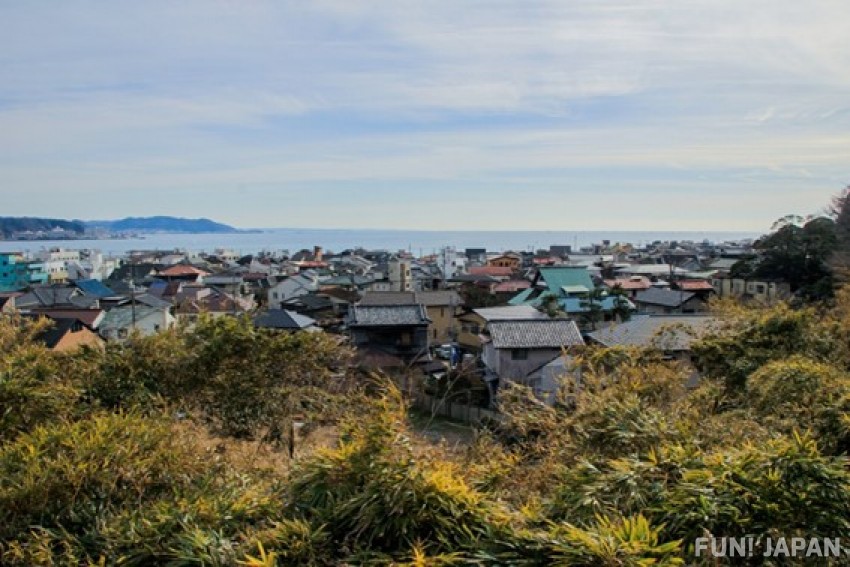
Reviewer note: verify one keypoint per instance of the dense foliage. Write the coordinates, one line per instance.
(139, 455)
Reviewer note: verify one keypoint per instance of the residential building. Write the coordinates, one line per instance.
(662, 301)
(291, 287)
(389, 335)
(399, 274)
(508, 260)
(68, 335)
(442, 309)
(519, 350)
(473, 323)
(120, 322)
(759, 291)
(13, 272)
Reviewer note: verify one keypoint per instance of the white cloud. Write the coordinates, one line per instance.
(197, 97)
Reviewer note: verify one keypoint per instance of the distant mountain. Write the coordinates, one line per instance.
(11, 226)
(161, 224)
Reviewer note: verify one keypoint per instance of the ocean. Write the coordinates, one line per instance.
(336, 240)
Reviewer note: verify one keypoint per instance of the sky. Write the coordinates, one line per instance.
(500, 115)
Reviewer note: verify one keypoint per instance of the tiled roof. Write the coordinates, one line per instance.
(669, 332)
(512, 286)
(535, 333)
(494, 271)
(388, 298)
(387, 315)
(427, 298)
(182, 270)
(509, 312)
(282, 319)
(437, 298)
(90, 317)
(663, 297)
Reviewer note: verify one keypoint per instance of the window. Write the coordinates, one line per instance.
(519, 354)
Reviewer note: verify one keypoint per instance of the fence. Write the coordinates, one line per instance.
(456, 409)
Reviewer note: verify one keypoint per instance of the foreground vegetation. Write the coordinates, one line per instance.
(131, 456)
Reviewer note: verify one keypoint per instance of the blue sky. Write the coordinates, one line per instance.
(586, 115)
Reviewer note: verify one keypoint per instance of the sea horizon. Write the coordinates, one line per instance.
(336, 240)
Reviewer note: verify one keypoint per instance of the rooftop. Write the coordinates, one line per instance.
(387, 315)
(535, 334)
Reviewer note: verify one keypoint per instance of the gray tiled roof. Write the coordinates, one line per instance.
(510, 312)
(387, 315)
(436, 298)
(283, 319)
(663, 297)
(668, 332)
(388, 298)
(427, 298)
(535, 333)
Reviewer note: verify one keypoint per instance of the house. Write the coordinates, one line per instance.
(661, 300)
(216, 303)
(119, 323)
(630, 286)
(182, 272)
(519, 350)
(13, 272)
(69, 334)
(441, 309)
(473, 323)
(91, 318)
(399, 274)
(573, 290)
(507, 260)
(94, 288)
(293, 286)
(501, 273)
(55, 296)
(283, 320)
(673, 335)
(760, 291)
(397, 334)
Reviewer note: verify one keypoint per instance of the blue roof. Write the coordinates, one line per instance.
(94, 288)
(579, 305)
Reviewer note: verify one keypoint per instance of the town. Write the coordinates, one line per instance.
(495, 316)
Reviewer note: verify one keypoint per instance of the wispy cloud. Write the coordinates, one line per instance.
(739, 108)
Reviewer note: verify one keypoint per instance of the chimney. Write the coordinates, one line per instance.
(317, 253)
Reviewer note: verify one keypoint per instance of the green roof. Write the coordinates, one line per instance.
(521, 297)
(558, 277)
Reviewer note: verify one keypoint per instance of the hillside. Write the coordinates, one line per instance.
(12, 225)
(161, 224)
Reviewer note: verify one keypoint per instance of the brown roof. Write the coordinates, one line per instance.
(87, 316)
(182, 270)
(695, 285)
(629, 284)
(494, 271)
(512, 286)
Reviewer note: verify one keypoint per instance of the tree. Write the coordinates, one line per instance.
(798, 251)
